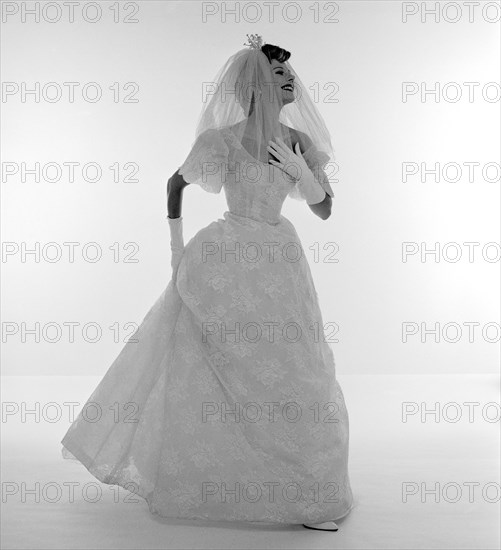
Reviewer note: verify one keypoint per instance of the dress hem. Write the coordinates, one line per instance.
(77, 452)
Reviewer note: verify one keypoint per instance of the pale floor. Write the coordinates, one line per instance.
(386, 454)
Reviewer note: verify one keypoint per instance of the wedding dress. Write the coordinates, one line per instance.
(225, 404)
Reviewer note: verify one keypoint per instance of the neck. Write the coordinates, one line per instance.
(267, 127)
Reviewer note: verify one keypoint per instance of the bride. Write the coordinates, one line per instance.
(225, 404)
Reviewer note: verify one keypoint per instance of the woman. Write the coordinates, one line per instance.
(227, 406)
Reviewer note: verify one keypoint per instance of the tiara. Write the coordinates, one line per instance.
(254, 41)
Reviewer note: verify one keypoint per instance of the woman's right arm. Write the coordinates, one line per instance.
(175, 186)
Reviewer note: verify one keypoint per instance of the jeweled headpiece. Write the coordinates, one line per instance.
(254, 41)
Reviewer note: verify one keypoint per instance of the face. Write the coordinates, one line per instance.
(283, 81)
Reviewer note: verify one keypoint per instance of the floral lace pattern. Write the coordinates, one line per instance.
(227, 406)
(217, 159)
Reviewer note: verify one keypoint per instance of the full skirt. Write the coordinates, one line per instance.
(224, 405)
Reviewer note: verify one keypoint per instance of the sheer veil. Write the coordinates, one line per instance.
(244, 99)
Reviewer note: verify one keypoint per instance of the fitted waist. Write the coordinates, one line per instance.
(251, 219)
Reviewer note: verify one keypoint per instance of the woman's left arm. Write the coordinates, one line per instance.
(322, 209)
(319, 201)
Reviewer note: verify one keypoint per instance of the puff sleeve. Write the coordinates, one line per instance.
(316, 161)
(207, 161)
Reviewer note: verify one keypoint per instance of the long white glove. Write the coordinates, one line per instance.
(296, 167)
(309, 187)
(176, 243)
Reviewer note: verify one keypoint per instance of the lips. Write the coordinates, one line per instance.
(288, 87)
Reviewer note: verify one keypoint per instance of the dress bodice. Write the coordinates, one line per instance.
(252, 188)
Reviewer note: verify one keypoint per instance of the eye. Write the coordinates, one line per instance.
(279, 72)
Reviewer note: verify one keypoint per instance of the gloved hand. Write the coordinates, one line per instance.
(176, 243)
(294, 165)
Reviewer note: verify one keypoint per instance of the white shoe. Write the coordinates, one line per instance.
(325, 526)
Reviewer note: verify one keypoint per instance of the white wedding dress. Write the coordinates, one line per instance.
(248, 424)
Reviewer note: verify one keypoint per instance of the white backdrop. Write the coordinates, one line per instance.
(356, 59)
